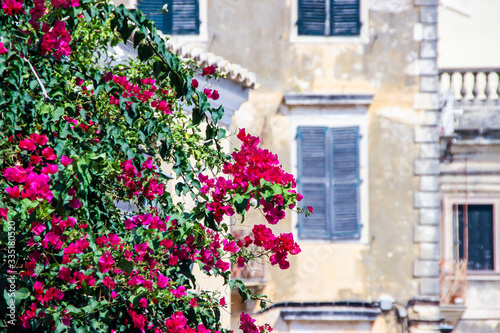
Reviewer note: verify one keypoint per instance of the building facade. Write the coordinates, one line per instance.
(394, 144)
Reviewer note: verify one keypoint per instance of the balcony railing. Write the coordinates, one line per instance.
(476, 87)
(252, 273)
(453, 280)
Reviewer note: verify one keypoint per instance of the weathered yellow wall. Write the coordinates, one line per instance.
(256, 35)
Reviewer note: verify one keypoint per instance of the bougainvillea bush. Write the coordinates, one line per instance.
(82, 135)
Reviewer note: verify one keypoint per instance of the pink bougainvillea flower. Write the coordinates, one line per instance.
(247, 324)
(207, 92)
(109, 282)
(193, 302)
(56, 39)
(11, 7)
(65, 160)
(27, 144)
(13, 191)
(194, 83)
(17, 174)
(65, 275)
(139, 320)
(240, 261)
(106, 262)
(215, 95)
(114, 294)
(162, 281)
(66, 319)
(222, 301)
(3, 50)
(35, 159)
(48, 153)
(3, 213)
(209, 70)
(143, 302)
(222, 265)
(179, 292)
(50, 169)
(40, 139)
(75, 203)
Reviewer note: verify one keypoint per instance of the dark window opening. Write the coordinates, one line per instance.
(480, 235)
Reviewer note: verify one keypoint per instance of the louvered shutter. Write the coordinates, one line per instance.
(344, 18)
(182, 18)
(314, 181)
(313, 17)
(345, 182)
(153, 10)
(185, 17)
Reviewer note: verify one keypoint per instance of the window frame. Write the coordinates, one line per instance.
(203, 29)
(362, 38)
(335, 117)
(448, 232)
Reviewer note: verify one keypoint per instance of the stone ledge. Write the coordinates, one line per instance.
(426, 2)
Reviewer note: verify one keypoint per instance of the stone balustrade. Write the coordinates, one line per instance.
(472, 87)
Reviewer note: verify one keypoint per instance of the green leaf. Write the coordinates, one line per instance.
(145, 52)
(125, 265)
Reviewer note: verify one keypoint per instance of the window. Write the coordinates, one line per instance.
(182, 18)
(480, 236)
(483, 246)
(329, 179)
(329, 17)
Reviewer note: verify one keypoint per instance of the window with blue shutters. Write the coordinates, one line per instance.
(329, 180)
(182, 18)
(480, 236)
(329, 17)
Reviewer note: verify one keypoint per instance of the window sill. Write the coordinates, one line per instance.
(328, 39)
(493, 276)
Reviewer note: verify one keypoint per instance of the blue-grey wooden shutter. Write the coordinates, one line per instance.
(153, 10)
(185, 17)
(345, 182)
(345, 18)
(182, 18)
(314, 181)
(312, 17)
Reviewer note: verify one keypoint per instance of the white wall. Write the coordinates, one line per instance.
(469, 34)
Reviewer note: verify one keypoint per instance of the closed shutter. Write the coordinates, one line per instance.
(345, 20)
(312, 17)
(314, 181)
(345, 183)
(480, 223)
(182, 18)
(185, 17)
(153, 9)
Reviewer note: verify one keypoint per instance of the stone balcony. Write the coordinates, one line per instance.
(470, 105)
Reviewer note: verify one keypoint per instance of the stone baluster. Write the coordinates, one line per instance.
(463, 90)
(498, 87)
(487, 90)
(475, 88)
